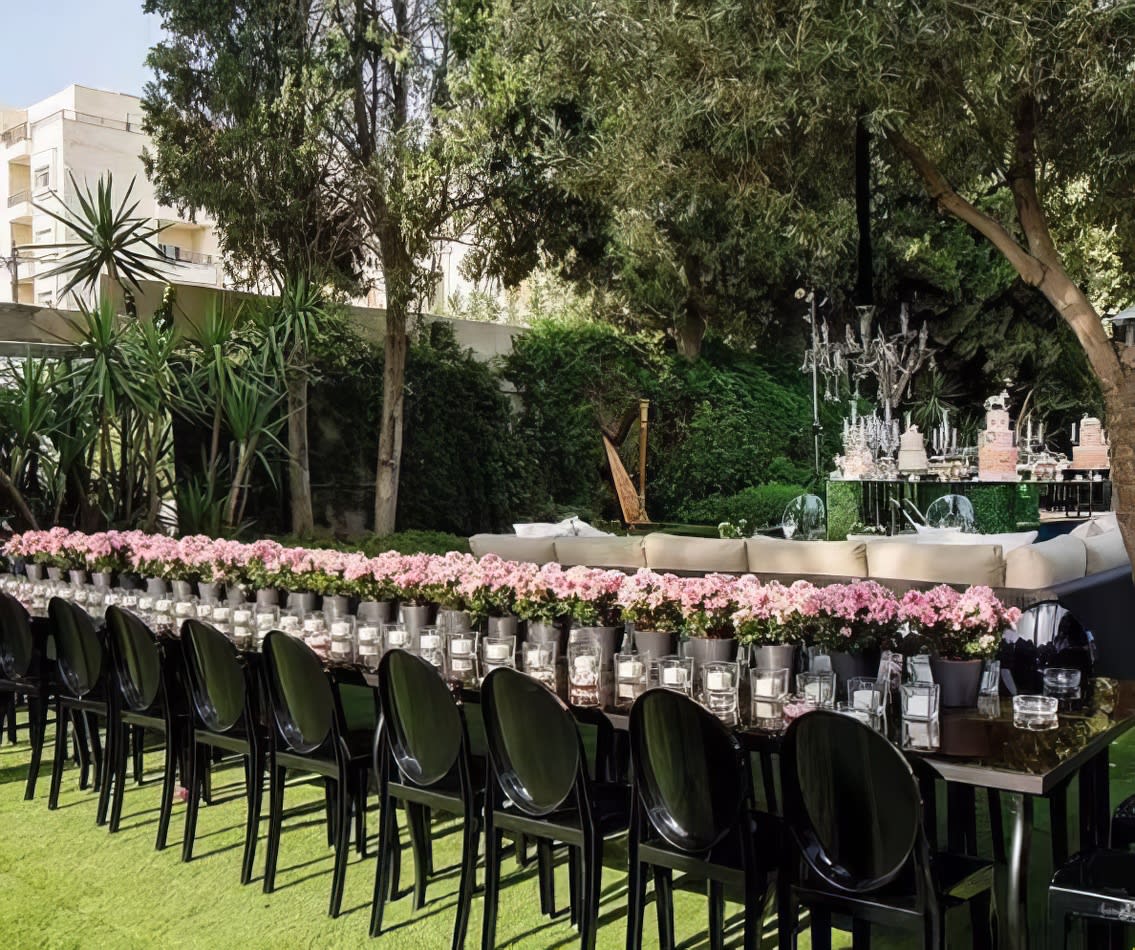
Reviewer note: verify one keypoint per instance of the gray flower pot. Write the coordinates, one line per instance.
(852, 665)
(710, 650)
(655, 643)
(182, 590)
(503, 626)
(610, 639)
(416, 616)
(54, 573)
(304, 600)
(102, 579)
(337, 603)
(541, 632)
(209, 591)
(267, 597)
(454, 619)
(156, 587)
(129, 581)
(780, 656)
(76, 576)
(35, 572)
(376, 611)
(237, 594)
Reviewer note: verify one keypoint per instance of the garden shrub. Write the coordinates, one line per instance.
(759, 506)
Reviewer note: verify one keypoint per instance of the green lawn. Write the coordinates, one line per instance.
(66, 883)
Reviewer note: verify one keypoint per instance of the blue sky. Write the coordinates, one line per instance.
(100, 43)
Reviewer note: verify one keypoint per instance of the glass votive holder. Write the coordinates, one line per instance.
(819, 660)
(243, 636)
(818, 689)
(769, 690)
(1035, 713)
(205, 611)
(920, 715)
(584, 658)
(866, 694)
(676, 673)
(430, 641)
(290, 622)
(631, 678)
(222, 613)
(243, 615)
(314, 623)
(1063, 683)
(990, 678)
(918, 669)
(343, 638)
(863, 714)
(395, 636)
(163, 607)
(370, 644)
(461, 649)
(540, 662)
(498, 651)
(184, 609)
(267, 617)
(720, 681)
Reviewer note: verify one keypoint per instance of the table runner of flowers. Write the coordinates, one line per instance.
(848, 617)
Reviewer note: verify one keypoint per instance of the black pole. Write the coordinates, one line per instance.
(864, 284)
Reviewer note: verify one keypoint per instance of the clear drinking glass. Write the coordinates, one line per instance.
(631, 677)
(818, 689)
(720, 682)
(1063, 683)
(676, 673)
(1035, 713)
(990, 677)
(584, 657)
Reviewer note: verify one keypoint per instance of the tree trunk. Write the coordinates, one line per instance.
(18, 502)
(690, 331)
(398, 292)
(865, 266)
(1121, 432)
(299, 471)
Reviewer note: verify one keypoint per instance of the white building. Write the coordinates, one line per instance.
(84, 133)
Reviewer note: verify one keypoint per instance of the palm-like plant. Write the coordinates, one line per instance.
(109, 237)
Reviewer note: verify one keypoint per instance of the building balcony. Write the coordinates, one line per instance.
(20, 209)
(189, 267)
(16, 142)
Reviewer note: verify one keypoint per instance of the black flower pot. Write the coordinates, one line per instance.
(848, 666)
(959, 681)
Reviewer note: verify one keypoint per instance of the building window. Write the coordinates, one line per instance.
(42, 177)
(44, 236)
(45, 299)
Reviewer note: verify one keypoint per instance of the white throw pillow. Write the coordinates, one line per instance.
(1008, 540)
(581, 529)
(929, 535)
(1105, 551)
(1098, 524)
(539, 529)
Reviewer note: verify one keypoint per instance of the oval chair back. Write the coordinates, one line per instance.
(216, 676)
(299, 692)
(532, 740)
(850, 801)
(78, 648)
(422, 720)
(136, 659)
(688, 770)
(17, 646)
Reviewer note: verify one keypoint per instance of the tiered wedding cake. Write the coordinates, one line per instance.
(912, 452)
(1092, 451)
(996, 453)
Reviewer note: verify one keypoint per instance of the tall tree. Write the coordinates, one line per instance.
(309, 131)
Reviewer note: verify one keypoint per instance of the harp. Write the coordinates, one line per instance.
(631, 501)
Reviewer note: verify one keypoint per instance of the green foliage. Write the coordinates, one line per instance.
(759, 506)
(843, 502)
(404, 542)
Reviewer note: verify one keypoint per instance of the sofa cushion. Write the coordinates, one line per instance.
(670, 552)
(626, 553)
(1049, 562)
(1008, 541)
(512, 548)
(1097, 524)
(779, 556)
(937, 563)
(1105, 551)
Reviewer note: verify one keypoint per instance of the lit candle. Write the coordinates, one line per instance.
(812, 692)
(630, 669)
(863, 699)
(341, 628)
(674, 676)
(221, 614)
(768, 710)
(582, 664)
(429, 641)
(312, 625)
(717, 680)
(500, 651)
(460, 646)
(918, 707)
(397, 638)
(242, 616)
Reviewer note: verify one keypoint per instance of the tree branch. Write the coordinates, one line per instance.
(940, 189)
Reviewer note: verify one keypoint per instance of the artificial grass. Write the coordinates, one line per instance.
(64, 882)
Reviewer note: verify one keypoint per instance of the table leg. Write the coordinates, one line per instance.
(1095, 803)
(1020, 847)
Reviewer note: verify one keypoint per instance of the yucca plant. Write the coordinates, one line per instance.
(109, 237)
(250, 401)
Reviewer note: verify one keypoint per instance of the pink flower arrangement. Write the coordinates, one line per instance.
(586, 594)
(652, 601)
(858, 616)
(708, 604)
(774, 613)
(961, 625)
